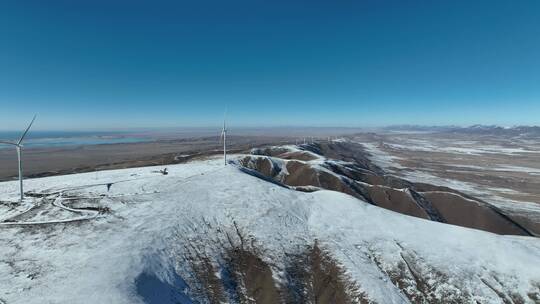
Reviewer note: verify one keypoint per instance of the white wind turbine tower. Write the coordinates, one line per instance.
(224, 138)
(19, 145)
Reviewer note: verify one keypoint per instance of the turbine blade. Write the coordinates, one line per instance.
(26, 131)
(8, 143)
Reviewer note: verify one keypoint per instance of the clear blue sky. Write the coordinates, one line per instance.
(120, 64)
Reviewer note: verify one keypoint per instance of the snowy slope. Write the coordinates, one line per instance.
(150, 224)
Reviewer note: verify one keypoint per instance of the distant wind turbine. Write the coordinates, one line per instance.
(19, 145)
(224, 138)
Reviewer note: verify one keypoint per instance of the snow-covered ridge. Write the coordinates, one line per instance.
(355, 172)
(156, 232)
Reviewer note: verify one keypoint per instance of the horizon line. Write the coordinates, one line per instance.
(179, 128)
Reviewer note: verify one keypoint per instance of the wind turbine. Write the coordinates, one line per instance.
(19, 145)
(224, 138)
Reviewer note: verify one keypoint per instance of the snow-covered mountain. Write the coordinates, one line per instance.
(208, 233)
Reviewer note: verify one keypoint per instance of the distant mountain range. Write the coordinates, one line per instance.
(523, 131)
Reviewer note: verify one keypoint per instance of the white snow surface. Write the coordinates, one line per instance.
(98, 260)
(380, 157)
(443, 147)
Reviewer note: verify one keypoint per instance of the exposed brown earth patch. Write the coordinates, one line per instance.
(254, 275)
(239, 273)
(314, 277)
(470, 213)
(397, 200)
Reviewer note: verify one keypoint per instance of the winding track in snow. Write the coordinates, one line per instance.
(58, 204)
